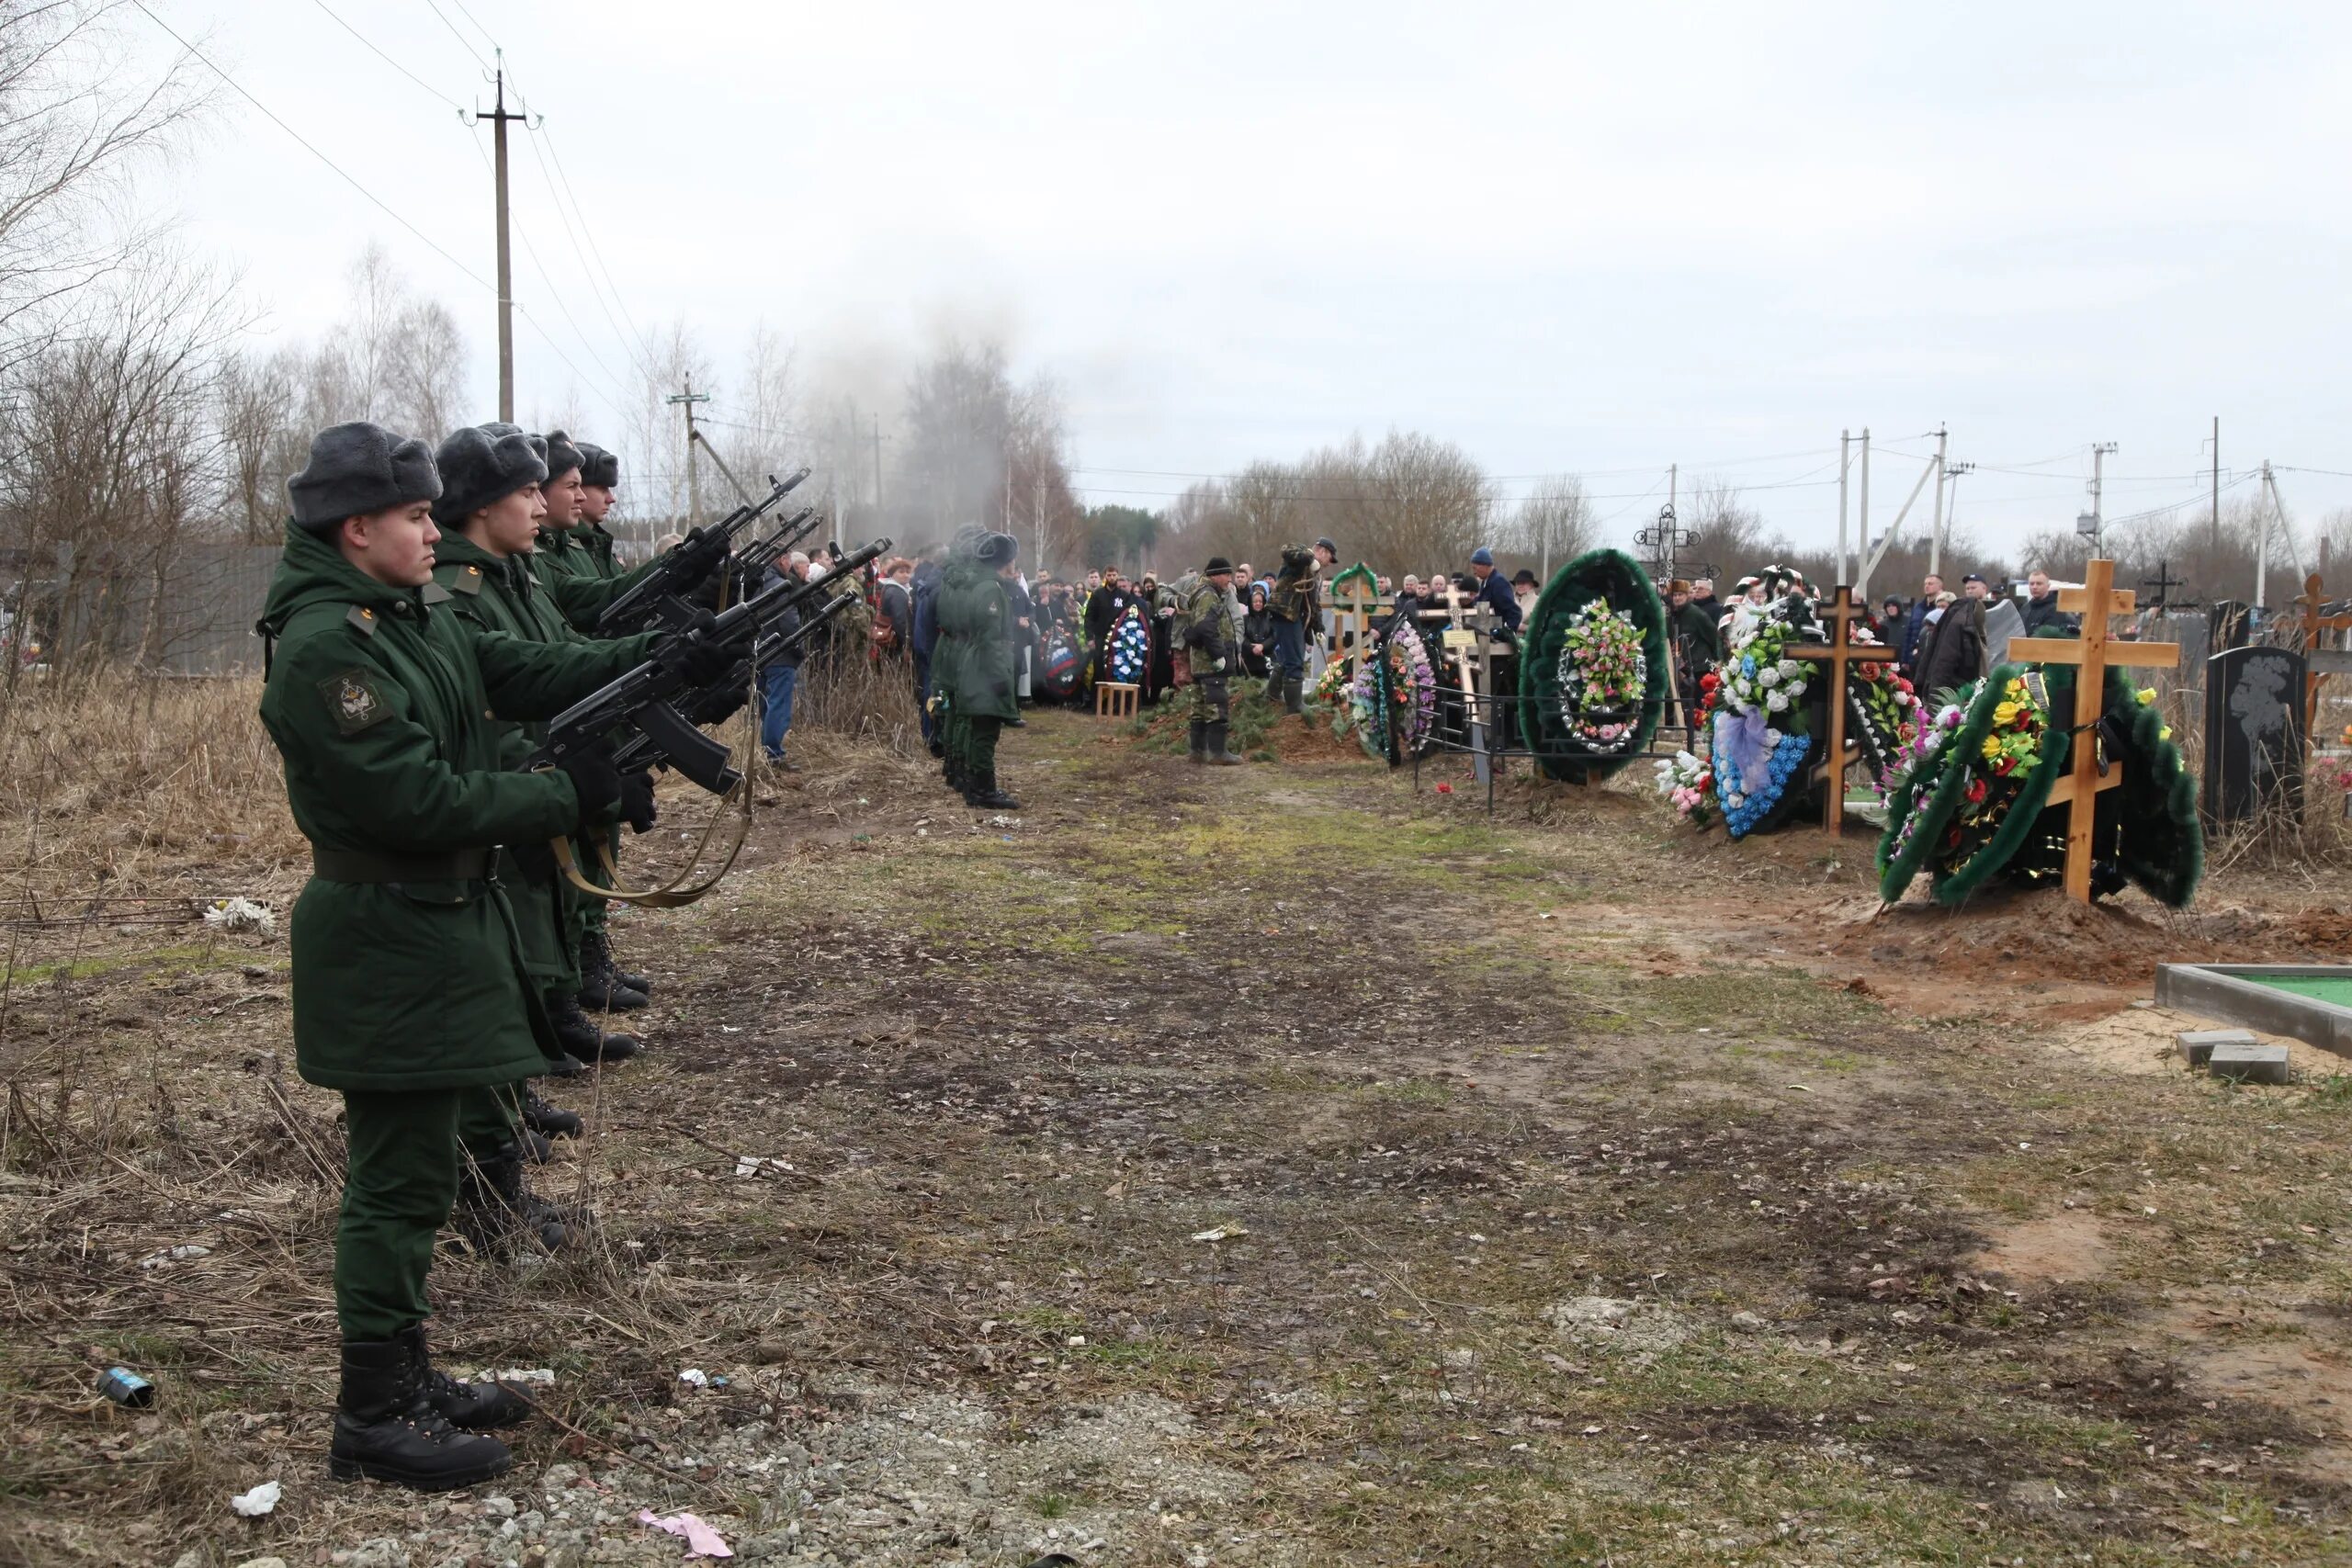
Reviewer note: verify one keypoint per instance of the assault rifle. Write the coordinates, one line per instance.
(645, 703)
(656, 596)
(713, 703)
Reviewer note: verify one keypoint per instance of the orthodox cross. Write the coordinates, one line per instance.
(2091, 654)
(1839, 652)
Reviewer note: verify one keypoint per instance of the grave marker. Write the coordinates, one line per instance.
(2096, 600)
(2254, 731)
(1839, 652)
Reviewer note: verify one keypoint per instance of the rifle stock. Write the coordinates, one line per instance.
(674, 572)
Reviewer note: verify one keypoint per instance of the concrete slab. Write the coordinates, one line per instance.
(2197, 1044)
(2249, 1063)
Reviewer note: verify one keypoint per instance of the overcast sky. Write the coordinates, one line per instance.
(1570, 238)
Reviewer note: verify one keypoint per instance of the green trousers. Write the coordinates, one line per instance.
(406, 1149)
(979, 746)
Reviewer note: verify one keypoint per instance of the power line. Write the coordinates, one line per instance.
(627, 339)
(579, 333)
(238, 88)
(387, 59)
(463, 42)
(618, 405)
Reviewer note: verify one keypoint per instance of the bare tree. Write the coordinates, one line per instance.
(77, 121)
(113, 438)
(1553, 524)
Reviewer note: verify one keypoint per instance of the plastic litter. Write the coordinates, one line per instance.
(252, 1505)
(701, 1540)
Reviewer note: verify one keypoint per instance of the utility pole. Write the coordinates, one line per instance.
(1936, 531)
(1845, 461)
(498, 118)
(1862, 546)
(687, 400)
(2099, 450)
(2217, 481)
(877, 469)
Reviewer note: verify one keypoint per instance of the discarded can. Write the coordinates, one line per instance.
(126, 1387)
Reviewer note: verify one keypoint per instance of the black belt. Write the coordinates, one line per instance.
(365, 866)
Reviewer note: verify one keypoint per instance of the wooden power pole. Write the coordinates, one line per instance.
(498, 118)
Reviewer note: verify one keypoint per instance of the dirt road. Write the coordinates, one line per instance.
(1247, 1167)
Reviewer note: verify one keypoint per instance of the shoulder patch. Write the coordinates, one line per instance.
(467, 581)
(353, 700)
(363, 618)
(434, 594)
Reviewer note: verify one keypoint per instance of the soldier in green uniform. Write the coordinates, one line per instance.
(409, 993)
(488, 515)
(975, 627)
(575, 564)
(1211, 649)
(961, 572)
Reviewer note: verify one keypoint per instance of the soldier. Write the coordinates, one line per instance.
(1212, 648)
(574, 562)
(976, 635)
(960, 573)
(408, 996)
(492, 504)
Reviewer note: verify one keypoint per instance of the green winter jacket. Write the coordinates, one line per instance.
(576, 568)
(505, 595)
(381, 703)
(976, 630)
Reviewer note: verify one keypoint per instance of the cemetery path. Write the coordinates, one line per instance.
(1257, 1165)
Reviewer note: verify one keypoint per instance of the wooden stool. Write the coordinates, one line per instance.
(1115, 699)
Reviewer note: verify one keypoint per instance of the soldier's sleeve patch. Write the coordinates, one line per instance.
(355, 701)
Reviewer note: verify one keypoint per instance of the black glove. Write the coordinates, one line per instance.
(723, 702)
(701, 554)
(694, 654)
(637, 800)
(597, 784)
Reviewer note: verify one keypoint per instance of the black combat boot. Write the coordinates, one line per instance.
(982, 795)
(1200, 741)
(476, 1407)
(553, 1121)
(579, 1036)
(603, 944)
(601, 987)
(567, 1066)
(495, 1208)
(386, 1427)
(535, 1146)
(1215, 752)
(1294, 694)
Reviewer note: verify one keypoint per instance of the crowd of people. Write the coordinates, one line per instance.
(1943, 639)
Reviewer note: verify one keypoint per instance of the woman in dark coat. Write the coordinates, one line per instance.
(1257, 633)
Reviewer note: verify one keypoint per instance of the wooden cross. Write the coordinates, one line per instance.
(1839, 652)
(2316, 669)
(1459, 640)
(2095, 601)
(1352, 615)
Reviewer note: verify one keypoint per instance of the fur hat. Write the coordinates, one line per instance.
(1677, 586)
(479, 468)
(356, 469)
(560, 454)
(598, 467)
(997, 550)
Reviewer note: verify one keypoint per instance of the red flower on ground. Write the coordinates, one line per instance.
(1445, 789)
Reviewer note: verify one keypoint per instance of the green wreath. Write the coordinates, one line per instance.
(2150, 819)
(1605, 574)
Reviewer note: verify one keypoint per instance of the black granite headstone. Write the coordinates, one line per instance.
(2254, 731)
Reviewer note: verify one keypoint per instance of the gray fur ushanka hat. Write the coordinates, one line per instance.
(358, 469)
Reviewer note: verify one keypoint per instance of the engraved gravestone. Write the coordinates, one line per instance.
(2254, 731)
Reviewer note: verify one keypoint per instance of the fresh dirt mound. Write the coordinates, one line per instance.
(1257, 725)
(2042, 934)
